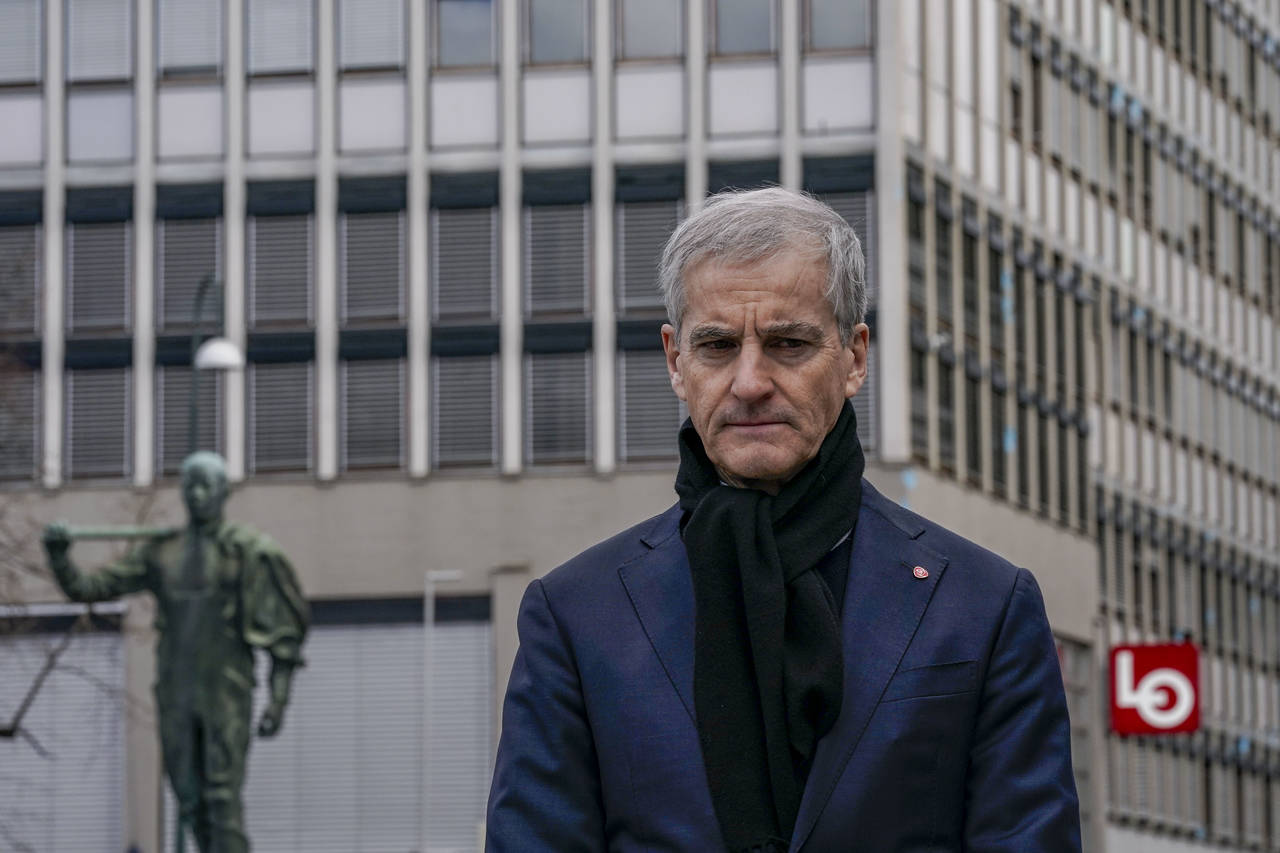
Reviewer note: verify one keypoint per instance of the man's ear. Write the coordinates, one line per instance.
(671, 346)
(857, 355)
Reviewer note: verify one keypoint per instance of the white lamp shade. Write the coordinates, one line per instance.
(219, 354)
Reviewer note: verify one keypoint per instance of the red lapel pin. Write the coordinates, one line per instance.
(920, 572)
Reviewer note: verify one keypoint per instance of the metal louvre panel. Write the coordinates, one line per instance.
(71, 797)
(464, 254)
(866, 404)
(459, 734)
(19, 424)
(372, 413)
(20, 256)
(280, 269)
(464, 408)
(280, 413)
(188, 249)
(371, 33)
(642, 231)
(99, 39)
(99, 432)
(20, 40)
(344, 775)
(557, 258)
(280, 35)
(99, 275)
(651, 413)
(173, 400)
(190, 34)
(557, 410)
(372, 250)
(858, 210)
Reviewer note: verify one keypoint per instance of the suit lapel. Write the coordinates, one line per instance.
(661, 591)
(884, 602)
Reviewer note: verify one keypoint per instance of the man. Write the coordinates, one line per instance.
(785, 659)
(221, 591)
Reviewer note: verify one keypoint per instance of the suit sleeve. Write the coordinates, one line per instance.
(546, 784)
(1020, 792)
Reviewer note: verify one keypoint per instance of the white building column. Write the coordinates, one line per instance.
(791, 172)
(233, 230)
(326, 237)
(695, 164)
(416, 225)
(511, 340)
(604, 331)
(144, 256)
(53, 339)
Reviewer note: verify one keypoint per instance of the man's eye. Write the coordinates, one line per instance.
(789, 343)
(718, 345)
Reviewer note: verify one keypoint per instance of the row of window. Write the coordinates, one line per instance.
(372, 33)
(999, 343)
(1152, 175)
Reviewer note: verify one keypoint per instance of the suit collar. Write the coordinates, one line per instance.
(884, 603)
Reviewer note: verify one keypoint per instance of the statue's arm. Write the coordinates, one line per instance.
(281, 683)
(120, 578)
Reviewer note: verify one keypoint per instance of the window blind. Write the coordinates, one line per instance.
(557, 410)
(190, 34)
(464, 410)
(650, 413)
(371, 33)
(280, 413)
(19, 423)
(188, 249)
(20, 40)
(99, 275)
(20, 256)
(372, 413)
(642, 231)
(557, 258)
(99, 433)
(172, 407)
(280, 269)
(372, 265)
(99, 39)
(280, 36)
(464, 262)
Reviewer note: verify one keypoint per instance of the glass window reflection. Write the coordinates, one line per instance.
(464, 32)
(836, 24)
(557, 31)
(744, 26)
(650, 28)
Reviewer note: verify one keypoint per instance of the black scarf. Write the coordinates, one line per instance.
(768, 666)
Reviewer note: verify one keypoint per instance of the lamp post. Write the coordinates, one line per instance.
(217, 353)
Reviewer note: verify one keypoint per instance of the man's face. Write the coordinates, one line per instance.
(204, 492)
(760, 364)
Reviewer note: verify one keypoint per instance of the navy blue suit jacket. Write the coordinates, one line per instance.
(953, 732)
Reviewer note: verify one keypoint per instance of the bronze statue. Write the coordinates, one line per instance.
(222, 590)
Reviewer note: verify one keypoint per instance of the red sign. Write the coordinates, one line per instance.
(1155, 690)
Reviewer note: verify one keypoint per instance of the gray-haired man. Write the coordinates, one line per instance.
(784, 659)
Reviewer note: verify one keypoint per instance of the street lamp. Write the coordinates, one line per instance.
(217, 353)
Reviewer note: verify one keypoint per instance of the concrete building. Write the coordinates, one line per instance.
(437, 224)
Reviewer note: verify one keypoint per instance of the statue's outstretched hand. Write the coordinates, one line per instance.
(272, 719)
(57, 540)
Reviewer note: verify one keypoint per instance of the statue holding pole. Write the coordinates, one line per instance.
(222, 590)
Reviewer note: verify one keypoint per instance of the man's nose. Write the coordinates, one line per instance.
(751, 379)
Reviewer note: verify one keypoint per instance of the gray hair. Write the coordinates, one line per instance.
(744, 227)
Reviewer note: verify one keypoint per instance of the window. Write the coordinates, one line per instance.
(372, 425)
(557, 258)
(99, 275)
(464, 263)
(464, 410)
(19, 278)
(464, 32)
(20, 41)
(557, 407)
(642, 231)
(187, 250)
(371, 263)
(280, 416)
(19, 423)
(280, 270)
(99, 424)
(650, 413)
(280, 36)
(744, 26)
(557, 31)
(649, 28)
(839, 24)
(371, 33)
(190, 36)
(99, 40)
(173, 408)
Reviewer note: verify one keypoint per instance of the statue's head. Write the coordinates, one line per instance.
(204, 485)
